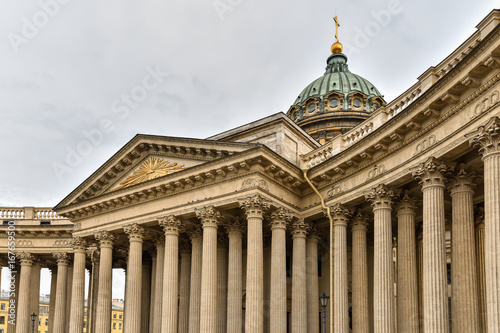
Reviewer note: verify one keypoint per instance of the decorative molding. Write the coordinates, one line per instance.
(253, 183)
(375, 171)
(334, 190)
(425, 144)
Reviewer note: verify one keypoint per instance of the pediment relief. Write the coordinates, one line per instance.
(150, 168)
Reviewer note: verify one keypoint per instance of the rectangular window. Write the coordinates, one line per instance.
(47, 322)
(114, 326)
(45, 222)
(120, 316)
(114, 315)
(120, 326)
(2, 320)
(2, 306)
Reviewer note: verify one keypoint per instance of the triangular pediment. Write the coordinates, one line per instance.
(148, 157)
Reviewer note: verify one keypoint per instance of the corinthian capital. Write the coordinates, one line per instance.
(62, 258)
(462, 181)
(105, 238)
(209, 216)
(380, 197)
(26, 258)
(340, 214)
(135, 232)
(170, 224)
(79, 244)
(406, 204)
(431, 173)
(254, 206)
(486, 137)
(280, 218)
(299, 228)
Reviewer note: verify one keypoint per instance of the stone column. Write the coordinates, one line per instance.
(235, 278)
(340, 300)
(299, 288)
(103, 313)
(420, 275)
(62, 259)
(133, 296)
(69, 288)
(195, 287)
(487, 137)
(279, 221)
(222, 284)
(407, 286)
(312, 282)
(160, 263)
(383, 271)
(464, 301)
(52, 301)
(209, 217)
(13, 288)
(184, 287)
(481, 274)
(431, 174)
(171, 225)
(78, 298)
(95, 258)
(146, 293)
(360, 306)
(35, 289)
(23, 321)
(152, 295)
(254, 208)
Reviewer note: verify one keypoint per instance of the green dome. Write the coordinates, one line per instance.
(337, 78)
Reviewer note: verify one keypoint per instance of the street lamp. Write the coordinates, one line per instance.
(33, 318)
(324, 302)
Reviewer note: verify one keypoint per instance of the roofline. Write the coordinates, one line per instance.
(262, 122)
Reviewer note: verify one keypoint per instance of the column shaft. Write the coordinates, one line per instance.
(222, 287)
(145, 295)
(184, 291)
(52, 301)
(407, 287)
(61, 294)
(170, 307)
(481, 274)
(69, 288)
(277, 311)
(464, 301)
(160, 264)
(299, 287)
(133, 296)
(420, 278)
(35, 290)
(340, 282)
(383, 271)
(195, 287)
(23, 321)
(312, 283)
(103, 312)
(78, 297)
(254, 321)
(95, 291)
(208, 310)
(235, 281)
(152, 294)
(360, 307)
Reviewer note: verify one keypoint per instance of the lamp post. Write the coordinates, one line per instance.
(324, 302)
(33, 318)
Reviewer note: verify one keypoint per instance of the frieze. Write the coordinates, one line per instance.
(24, 243)
(334, 190)
(425, 143)
(252, 183)
(62, 242)
(484, 104)
(376, 170)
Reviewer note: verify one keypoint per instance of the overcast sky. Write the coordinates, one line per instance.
(193, 68)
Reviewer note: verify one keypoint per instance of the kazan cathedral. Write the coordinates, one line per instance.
(346, 214)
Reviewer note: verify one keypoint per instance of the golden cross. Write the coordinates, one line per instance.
(337, 25)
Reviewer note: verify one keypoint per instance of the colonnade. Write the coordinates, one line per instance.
(200, 287)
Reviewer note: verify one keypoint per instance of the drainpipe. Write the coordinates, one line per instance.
(327, 211)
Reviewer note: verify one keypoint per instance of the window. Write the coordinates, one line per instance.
(46, 322)
(114, 315)
(2, 320)
(45, 222)
(334, 103)
(356, 102)
(120, 316)
(120, 326)
(311, 107)
(114, 326)
(39, 321)
(2, 306)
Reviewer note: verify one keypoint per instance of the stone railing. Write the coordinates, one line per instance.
(29, 213)
(358, 133)
(403, 101)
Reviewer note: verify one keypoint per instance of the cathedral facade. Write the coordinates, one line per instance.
(390, 209)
